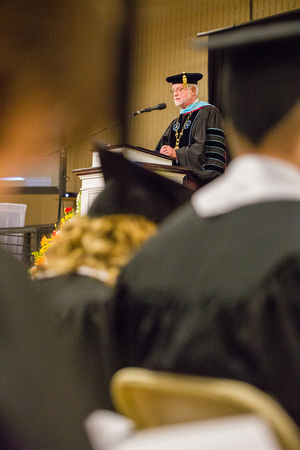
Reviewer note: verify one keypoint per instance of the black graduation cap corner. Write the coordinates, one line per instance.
(254, 33)
(260, 79)
(132, 189)
(249, 47)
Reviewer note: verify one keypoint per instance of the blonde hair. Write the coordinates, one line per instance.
(105, 244)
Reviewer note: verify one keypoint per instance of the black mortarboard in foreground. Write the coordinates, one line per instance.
(131, 189)
(191, 78)
(261, 81)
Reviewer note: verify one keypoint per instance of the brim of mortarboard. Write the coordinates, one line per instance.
(192, 78)
(247, 34)
(259, 72)
(132, 189)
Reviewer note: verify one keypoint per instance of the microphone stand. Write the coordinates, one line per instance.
(136, 113)
(62, 181)
(63, 178)
(63, 159)
(93, 134)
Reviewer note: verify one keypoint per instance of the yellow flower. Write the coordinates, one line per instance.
(44, 241)
(39, 256)
(40, 261)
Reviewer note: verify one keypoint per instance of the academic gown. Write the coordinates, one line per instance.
(79, 310)
(42, 398)
(202, 145)
(223, 306)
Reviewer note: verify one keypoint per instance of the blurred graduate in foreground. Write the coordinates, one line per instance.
(52, 84)
(84, 262)
(223, 296)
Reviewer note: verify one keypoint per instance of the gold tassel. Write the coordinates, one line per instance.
(184, 79)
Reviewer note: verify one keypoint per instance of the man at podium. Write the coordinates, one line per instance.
(196, 138)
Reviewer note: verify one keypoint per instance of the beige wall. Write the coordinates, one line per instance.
(161, 46)
(165, 30)
(41, 209)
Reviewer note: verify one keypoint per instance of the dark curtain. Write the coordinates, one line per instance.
(215, 77)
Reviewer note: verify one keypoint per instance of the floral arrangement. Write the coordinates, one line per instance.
(40, 255)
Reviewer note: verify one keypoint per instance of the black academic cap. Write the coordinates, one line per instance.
(191, 78)
(132, 189)
(261, 81)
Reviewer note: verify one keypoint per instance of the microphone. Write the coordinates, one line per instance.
(150, 108)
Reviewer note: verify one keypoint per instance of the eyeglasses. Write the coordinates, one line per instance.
(178, 90)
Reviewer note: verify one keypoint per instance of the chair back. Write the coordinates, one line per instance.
(153, 398)
(12, 215)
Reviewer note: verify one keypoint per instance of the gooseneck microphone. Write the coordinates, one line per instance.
(150, 108)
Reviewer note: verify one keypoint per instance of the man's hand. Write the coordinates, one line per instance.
(167, 150)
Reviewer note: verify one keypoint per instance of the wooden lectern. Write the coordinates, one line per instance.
(92, 181)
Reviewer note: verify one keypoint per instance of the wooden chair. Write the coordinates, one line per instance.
(153, 398)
